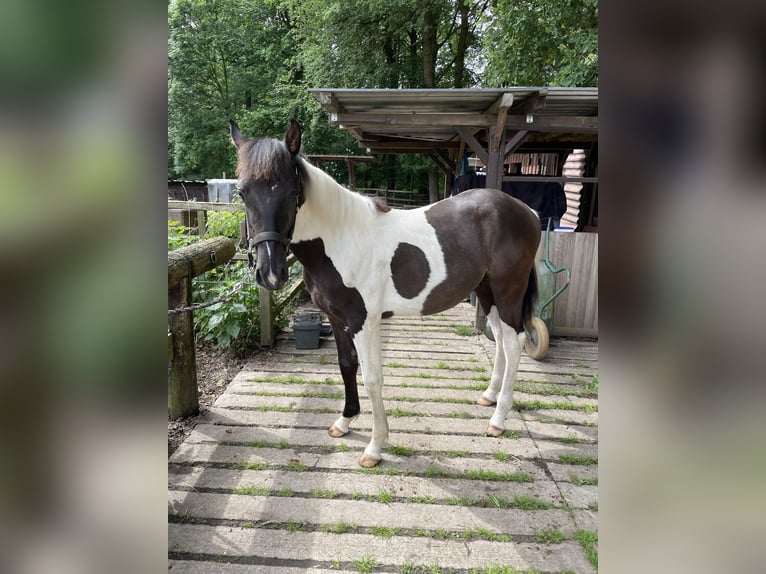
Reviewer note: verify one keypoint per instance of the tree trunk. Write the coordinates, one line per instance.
(428, 36)
(462, 43)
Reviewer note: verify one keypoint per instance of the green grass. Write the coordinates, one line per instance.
(285, 492)
(385, 496)
(464, 330)
(339, 528)
(252, 490)
(342, 447)
(422, 499)
(457, 453)
(295, 466)
(250, 465)
(492, 536)
(530, 503)
(577, 481)
(459, 415)
(395, 365)
(578, 459)
(589, 542)
(551, 536)
(570, 440)
(274, 408)
(501, 456)
(536, 405)
(397, 412)
(365, 564)
(483, 474)
(324, 493)
(294, 526)
(383, 532)
(400, 450)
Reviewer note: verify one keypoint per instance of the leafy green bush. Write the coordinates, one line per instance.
(231, 324)
(179, 235)
(224, 223)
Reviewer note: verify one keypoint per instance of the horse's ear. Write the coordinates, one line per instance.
(293, 137)
(236, 135)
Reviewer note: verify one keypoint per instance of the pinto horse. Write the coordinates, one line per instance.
(363, 261)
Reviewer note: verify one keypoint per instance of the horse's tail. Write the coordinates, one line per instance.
(530, 298)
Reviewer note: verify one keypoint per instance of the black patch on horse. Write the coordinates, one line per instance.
(336, 299)
(409, 270)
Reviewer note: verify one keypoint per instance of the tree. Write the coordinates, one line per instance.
(541, 43)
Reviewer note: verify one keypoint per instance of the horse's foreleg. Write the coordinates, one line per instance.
(349, 365)
(368, 346)
(489, 396)
(512, 344)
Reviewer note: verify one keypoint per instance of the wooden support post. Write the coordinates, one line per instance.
(183, 400)
(267, 316)
(496, 160)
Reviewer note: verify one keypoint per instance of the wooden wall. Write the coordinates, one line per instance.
(575, 311)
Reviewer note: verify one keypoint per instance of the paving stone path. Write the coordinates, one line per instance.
(259, 486)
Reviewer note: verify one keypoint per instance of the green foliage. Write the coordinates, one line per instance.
(230, 324)
(224, 223)
(253, 60)
(179, 235)
(536, 43)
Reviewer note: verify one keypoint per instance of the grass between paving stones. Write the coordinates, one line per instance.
(577, 481)
(400, 450)
(551, 536)
(536, 405)
(397, 412)
(365, 564)
(440, 366)
(339, 528)
(589, 542)
(464, 330)
(292, 380)
(578, 459)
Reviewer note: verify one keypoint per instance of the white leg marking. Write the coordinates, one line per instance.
(498, 370)
(342, 423)
(367, 343)
(512, 345)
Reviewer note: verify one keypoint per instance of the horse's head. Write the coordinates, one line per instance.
(270, 184)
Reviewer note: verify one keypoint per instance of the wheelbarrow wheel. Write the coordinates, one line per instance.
(536, 344)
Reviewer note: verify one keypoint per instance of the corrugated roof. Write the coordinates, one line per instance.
(426, 120)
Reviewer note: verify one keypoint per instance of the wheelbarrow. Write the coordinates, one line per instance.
(536, 344)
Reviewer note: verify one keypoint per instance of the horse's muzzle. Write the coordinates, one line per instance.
(271, 267)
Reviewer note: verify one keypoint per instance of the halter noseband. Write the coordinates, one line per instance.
(273, 235)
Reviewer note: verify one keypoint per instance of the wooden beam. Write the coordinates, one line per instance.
(500, 109)
(204, 206)
(396, 144)
(474, 144)
(199, 257)
(516, 140)
(447, 160)
(565, 124)
(504, 101)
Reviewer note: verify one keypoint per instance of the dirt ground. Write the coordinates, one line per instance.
(215, 370)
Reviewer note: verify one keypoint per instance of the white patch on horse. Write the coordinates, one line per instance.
(361, 241)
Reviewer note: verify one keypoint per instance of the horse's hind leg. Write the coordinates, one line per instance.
(349, 365)
(512, 343)
(489, 396)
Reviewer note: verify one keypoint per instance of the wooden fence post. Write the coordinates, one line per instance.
(183, 399)
(267, 316)
(183, 264)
